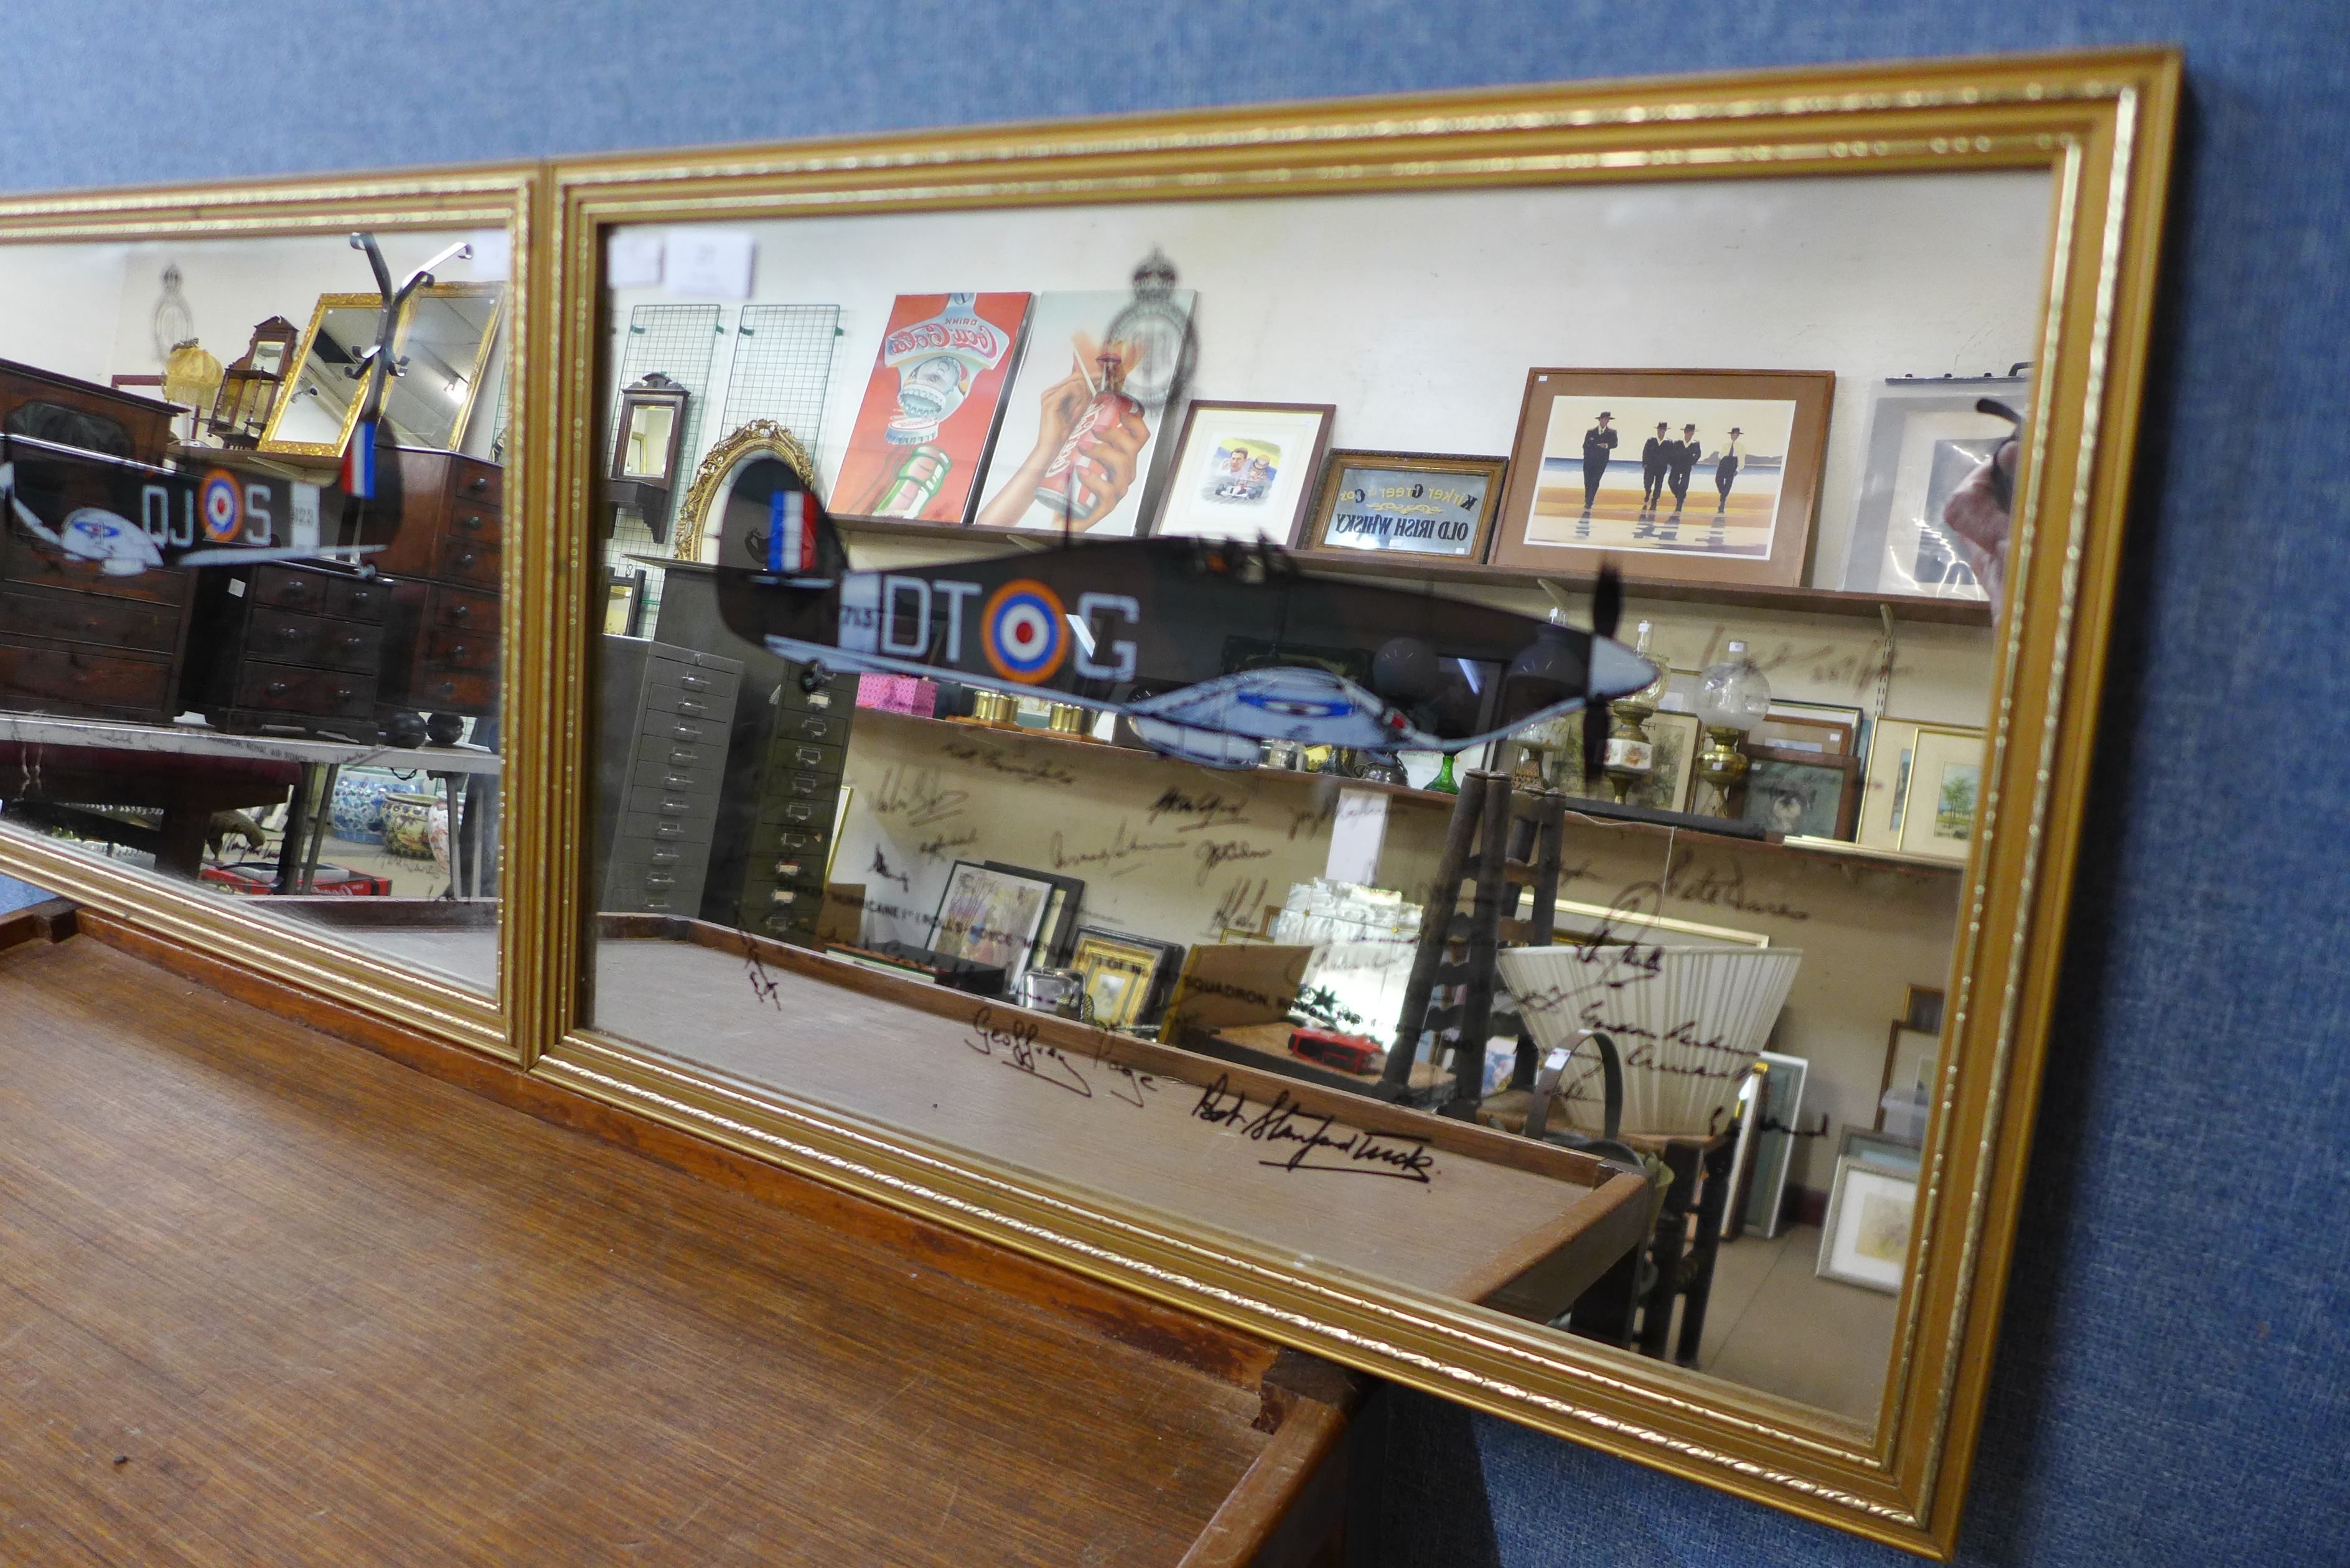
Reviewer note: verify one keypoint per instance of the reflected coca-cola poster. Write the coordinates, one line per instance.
(932, 406)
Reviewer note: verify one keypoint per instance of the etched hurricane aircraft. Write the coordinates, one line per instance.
(1208, 648)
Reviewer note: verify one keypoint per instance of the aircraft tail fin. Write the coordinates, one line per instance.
(782, 527)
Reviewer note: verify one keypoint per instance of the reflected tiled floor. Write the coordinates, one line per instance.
(1773, 1325)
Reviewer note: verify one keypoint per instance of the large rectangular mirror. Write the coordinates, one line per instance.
(246, 677)
(1119, 739)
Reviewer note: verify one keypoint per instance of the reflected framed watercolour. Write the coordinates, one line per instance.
(1244, 471)
(1864, 1239)
(1691, 476)
(1944, 792)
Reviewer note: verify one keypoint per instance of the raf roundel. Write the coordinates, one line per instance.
(1026, 635)
(222, 503)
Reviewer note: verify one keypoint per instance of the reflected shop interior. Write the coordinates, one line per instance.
(1144, 652)
(249, 582)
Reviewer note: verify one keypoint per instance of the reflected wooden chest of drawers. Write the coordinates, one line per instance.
(662, 756)
(285, 647)
(441, 640)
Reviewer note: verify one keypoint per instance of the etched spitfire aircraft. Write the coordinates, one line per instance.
(1208, 647)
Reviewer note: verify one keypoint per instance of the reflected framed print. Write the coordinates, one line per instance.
(1866, 1239)
(1244, 471)
(1402, 504)
(990, 916)
(1690, 475)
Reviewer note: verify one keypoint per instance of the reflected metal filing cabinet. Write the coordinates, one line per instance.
(661, 754)
(791, 834)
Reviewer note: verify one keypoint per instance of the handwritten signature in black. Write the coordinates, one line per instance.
(1359, 1152)
(1015, 1043)
(997, 762)
(1205, 811)
(763, 985)
(1123, 846)
(1215, 851)
(920, 794)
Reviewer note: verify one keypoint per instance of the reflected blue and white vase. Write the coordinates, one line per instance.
(356, 814)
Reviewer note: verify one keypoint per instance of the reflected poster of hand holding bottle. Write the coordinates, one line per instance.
(1075, 445)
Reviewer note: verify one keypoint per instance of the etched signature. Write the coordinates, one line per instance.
(1215, 851)
(920, 794)
(1123, 846)
(1039, 772)
(946, 844)
(1205, 811)
(1359, 1152)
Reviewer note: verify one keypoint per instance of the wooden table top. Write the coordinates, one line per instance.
(924, 1074)
(273, 1298)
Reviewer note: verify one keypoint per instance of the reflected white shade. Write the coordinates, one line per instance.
(1688, 1022)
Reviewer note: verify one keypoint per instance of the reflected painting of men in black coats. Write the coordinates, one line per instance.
(1598, 446)
(1685, 453)
(1655, 458)
(1725, 472)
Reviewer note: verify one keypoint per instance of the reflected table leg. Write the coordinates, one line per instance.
(453, 786)
(291, 846)
(1713, 1195)
(315, 843)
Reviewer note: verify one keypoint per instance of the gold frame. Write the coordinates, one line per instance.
(286, 388)
(758, 438)
(337, 976)
(271, 446)
(481, 356)
(2101, 123)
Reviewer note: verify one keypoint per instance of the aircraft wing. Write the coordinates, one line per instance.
(129, 517)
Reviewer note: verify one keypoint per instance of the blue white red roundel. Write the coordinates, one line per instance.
(221, 499)
(1023, 632)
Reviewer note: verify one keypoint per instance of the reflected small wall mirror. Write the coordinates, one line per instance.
(649, 427)
(249, 388)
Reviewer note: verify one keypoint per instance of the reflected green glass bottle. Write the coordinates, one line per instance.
(1443, 782)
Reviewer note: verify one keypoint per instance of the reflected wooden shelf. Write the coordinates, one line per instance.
(1435, 575)
(1828, 850)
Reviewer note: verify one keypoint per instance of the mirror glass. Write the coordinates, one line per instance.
(1020, 915)
(219, 668)
(326, 391)
(646, 455)
(445, 336)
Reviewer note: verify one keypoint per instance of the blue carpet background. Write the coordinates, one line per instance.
(2169, 1385)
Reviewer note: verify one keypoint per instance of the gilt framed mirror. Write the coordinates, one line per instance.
(841, 826)
(249, 708)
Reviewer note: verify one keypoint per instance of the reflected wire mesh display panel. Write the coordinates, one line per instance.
(783, 357)
(679, 341)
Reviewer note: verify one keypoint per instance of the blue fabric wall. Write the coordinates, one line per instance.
(2170, 1378)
